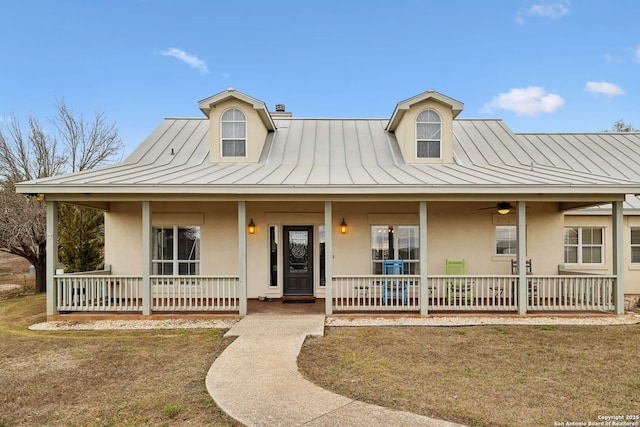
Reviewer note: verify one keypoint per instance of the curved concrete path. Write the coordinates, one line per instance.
(256, 380)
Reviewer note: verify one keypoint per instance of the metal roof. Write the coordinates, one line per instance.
(358, 156)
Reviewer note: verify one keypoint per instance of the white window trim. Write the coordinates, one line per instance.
(416, 134)
(246, 133)
(495, 242)
(396, 248)
(175, 261)
(631, 246)
(580, 246)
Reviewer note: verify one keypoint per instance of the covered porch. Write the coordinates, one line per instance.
(422, 293)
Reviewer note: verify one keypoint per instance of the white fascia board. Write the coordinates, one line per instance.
(565, 190)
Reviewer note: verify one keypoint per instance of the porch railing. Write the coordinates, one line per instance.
(195, 293)
(91, 292)
(570, 292)
(376, 293)
(472, 293)
(94, 292)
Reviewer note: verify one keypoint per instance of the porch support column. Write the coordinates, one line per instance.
(521, 236)
(52, 257)
(618, 257)
(242, 257)
(328, 256)
(146, 258)
(424, 288)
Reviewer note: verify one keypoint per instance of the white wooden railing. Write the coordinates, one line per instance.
(375, 292)
(571, 292)
(195, 293)
(472, 293)
(93, 292)
(479, 292)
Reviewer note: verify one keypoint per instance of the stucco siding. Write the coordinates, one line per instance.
(256, 132)
(455, 230)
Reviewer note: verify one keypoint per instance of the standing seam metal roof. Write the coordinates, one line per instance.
(360, 153)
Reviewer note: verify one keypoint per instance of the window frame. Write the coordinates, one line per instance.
(176, 261)
(418, 140)
(580, 245)
(514, 248)
(411, 265)
(243, 139)
(634, 245)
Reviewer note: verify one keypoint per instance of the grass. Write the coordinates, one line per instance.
(483, 376)
(106, 378)
(480, 376)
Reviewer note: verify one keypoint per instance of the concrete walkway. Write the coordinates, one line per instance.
(256, 380)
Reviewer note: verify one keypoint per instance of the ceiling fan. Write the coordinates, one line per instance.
(503, 208)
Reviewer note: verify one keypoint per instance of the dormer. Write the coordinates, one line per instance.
(423, 126)
(239, 125)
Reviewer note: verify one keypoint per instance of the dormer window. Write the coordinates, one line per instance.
(233, 131)
(428, 135)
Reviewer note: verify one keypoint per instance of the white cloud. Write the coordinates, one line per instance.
(554, 9)
(529, 101)
(612, 59)
(192, 61)
(636, 55)
(604, 88)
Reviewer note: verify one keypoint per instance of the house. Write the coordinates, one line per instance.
(366, 213)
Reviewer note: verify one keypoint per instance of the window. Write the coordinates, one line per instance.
(176, 256)
(395, 242)
(583, 245)
(635, 245)
(428, 134)
(273, 258)
(506, 240)
(323, 266)
(233, 129)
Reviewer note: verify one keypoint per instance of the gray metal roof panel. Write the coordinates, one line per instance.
(360, 153)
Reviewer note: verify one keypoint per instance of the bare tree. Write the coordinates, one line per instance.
(77, 145)
(88, 144)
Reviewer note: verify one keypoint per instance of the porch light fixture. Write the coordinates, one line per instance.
(504, 208)
(252, 227)
(37, 197)
(343, 226)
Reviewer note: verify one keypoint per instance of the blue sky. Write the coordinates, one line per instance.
(540, 65)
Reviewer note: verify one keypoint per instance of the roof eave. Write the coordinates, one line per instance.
(523, 190)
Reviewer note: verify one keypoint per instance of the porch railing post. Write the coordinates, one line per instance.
(242, 258)
(146, 258)
(328, 256)
(52, 257)
(424, 290)
(521, 223)
(618, 257)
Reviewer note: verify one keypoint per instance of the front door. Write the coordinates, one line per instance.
(298, 260)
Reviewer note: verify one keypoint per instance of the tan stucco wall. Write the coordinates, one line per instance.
(256, 131)
(406, 132)
(455, 230)
(218, 231)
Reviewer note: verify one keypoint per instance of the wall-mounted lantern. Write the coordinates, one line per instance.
(343, 226)
(251, 227)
